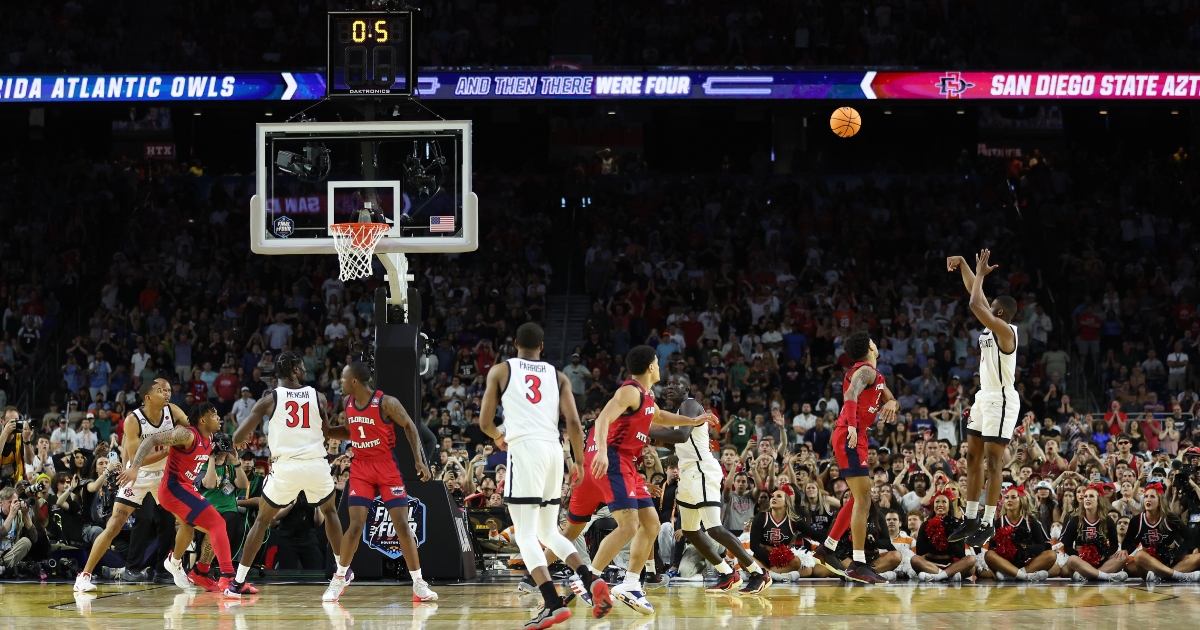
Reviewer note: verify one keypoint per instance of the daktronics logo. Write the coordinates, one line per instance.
(953, 85)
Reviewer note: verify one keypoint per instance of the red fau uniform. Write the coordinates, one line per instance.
(374, 471)
(177, 490)
(853, 461)
(622, 486)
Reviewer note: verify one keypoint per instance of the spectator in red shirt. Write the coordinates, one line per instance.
(1116, 419)
(197, 387)
(692, 329)
(228, 388)
(1089, 333)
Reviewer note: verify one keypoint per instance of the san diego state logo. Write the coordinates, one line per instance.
(283, 227)
(380, 533)
(953, 85)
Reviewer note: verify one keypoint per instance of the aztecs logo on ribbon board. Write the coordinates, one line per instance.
(380, 533)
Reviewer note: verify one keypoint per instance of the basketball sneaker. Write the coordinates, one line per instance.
(334, 591)
(83, 583)
(175, 568)
(827, 557)
(1121, 576)
(727, 583)
(421, 592)
(230, 587)
(527, 585)
(602, 601)
(757, 584)
(203, 581)
(862, 572)
(547, 617)
(632, 596)
(982, 535)
(969, 527)
(579, 589)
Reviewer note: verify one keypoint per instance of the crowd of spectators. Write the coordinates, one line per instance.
(92, 36)
(746, 284)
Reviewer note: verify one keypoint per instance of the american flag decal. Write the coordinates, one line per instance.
(441, 224)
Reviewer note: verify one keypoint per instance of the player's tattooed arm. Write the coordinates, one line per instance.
(395, 412)
(863, 378)
(179, 436)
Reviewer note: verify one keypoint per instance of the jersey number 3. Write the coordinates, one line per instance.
(293, 410)
(534, 396)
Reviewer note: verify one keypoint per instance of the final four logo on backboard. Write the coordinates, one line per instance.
(283, 227)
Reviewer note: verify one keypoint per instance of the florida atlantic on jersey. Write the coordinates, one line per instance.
(630, 432)
(184, 465)
(868, 399)
(165, 423)
(371, 437)
(530, 401)
(295, 427)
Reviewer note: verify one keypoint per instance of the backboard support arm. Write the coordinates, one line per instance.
(397, 276)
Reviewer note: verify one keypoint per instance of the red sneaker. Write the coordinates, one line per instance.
(231, 588)
(727, 583)
(860, 572)
(249, 589)
(203, 581)
(602, 601)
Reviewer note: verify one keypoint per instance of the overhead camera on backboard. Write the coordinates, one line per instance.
(423, 174)
(312, 167)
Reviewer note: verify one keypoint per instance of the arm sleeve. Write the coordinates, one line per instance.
(924, 547)
(1132, 535)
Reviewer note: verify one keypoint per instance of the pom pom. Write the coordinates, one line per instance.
(807, 560)
(1002, 543)
(781, 556)
(1090, 554)
(936, 531)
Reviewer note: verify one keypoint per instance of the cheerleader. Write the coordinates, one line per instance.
(1165, 550)
(937, 558)
(1090, 541)
(1020, 547)
(776, 540)
(818, 509)
(881, 554)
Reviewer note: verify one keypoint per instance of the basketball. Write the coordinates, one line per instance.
(845, 121)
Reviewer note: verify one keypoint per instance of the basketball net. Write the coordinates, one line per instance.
(355, 244)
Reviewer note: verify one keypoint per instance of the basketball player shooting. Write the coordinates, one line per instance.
(863, 389)
(370, 416)
(997, 407)
(533, 395)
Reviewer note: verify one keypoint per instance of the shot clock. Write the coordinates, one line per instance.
(370, 53)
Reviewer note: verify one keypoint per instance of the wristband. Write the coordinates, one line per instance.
(850, 407)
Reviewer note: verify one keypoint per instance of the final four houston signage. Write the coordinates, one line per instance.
(380, 533)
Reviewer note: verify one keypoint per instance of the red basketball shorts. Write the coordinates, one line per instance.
(370, 478)
(852, 461)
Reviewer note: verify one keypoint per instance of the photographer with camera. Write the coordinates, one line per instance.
(15, 448)
(1184, 495)
(17, 533)
(68, 522)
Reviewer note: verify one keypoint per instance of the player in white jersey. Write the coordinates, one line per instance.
(994, 414)
(156, 415)
(299, 429)
(533, 394)
(699, 492)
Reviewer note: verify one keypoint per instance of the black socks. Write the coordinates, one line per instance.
(550, 595)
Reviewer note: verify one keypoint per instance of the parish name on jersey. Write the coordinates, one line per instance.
(533, 367)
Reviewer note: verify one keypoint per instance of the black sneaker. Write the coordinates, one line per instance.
(860, 572)
(134, 576)
(727, 583)
(527, 585)
(969, 527)
(546, 618)
(757, 584)
(985, 533)
(827, 557)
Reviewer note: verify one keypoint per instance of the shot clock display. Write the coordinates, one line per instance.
(370, 53)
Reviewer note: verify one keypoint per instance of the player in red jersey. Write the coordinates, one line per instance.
(863, 390)
(624, 428)
(189, 450)
(370, 415)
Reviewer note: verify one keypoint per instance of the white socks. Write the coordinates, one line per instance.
(650, 568)
(596, 572)
(341, 571)
(632, 577)
(1104, 576)
(724, 568)
(972, 509)
(989, 513)
(1022, 575)
(860, 556)
(756, 568)
(242, 572)
(416, 575)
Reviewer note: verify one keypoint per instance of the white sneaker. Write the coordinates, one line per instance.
(888, 575)
(83, 583)
(928, 577)
(175, 568)
(334, 591)
(1151, 577)
(1193, 576)
(1039, 576)
(1000, 577)
(1078, 577)
(631, 595)
(421, 592)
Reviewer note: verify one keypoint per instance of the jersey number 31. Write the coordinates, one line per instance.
(293, 410)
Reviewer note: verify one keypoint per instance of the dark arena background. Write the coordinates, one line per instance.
(208, 204)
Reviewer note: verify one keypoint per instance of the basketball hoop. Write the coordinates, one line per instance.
(355, 244)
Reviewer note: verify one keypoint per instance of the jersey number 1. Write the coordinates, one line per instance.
(534, 396)
(293, 409)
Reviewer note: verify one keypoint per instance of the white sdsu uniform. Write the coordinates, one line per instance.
(297, 449)
(997, 407)
(535, 455)
(149, 475)
(699, 491)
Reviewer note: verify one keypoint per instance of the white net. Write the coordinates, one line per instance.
(355, 244)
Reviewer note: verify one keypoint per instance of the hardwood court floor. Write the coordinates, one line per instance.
(486, 606)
